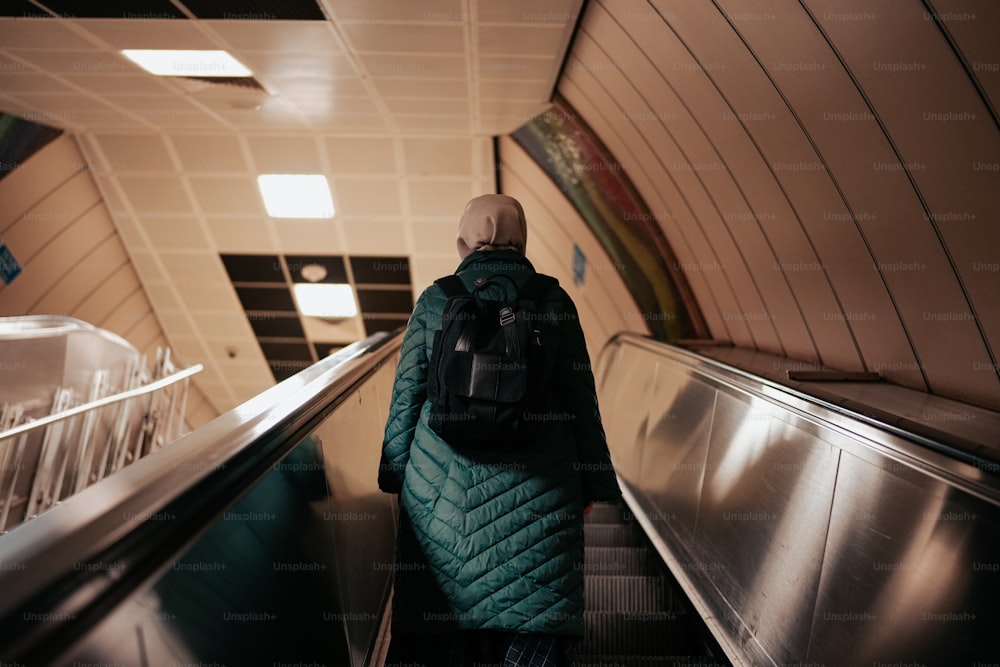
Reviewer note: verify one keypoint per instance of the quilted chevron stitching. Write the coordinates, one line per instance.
(433, 474)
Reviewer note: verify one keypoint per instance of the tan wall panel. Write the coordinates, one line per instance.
(86, 275)
(633, 111)
(52, 214)
(52, 263)
(22, 189)
(756, 189)
(98, 306)
(940, 131)
(710, 288)
(130, 311)
(544, 252)
(972, 25)
(848, 214)
(772, 159)
(144, 333)
(741, 248)
(767, 146)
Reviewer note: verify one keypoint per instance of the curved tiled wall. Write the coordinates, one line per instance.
(825, 172)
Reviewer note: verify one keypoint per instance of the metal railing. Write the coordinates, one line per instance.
(102, 416)
(73, 575)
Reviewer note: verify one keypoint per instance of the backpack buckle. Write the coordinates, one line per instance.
(506, 316)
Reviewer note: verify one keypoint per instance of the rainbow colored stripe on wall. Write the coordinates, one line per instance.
(586, 173)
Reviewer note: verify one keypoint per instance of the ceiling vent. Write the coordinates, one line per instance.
(239, 92)
(241, 82)
(197, 84)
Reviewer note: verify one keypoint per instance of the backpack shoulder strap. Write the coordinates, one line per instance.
(452, 286)
(537, 287)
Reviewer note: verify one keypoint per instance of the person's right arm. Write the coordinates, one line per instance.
(409, 391)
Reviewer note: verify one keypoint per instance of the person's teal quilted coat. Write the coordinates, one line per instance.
(496, 541)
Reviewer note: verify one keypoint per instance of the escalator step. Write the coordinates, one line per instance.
(606, 513)
(647, 661)
(637, 595)
(610, 535)
(636, 633)
(618, 561)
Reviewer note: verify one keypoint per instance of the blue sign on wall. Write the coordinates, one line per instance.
(9, 268)
(579, 265)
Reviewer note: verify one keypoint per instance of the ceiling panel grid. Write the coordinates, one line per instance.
(393, 102)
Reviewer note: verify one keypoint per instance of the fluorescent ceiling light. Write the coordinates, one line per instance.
(325, 300)
(296, 195)
(186, 63)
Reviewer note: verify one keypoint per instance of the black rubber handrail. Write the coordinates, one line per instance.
(63, 572)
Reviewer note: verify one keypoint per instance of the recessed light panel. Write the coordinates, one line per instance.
(296, 195)
(187, 63)
(325, 300)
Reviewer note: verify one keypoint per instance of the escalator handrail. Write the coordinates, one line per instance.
(62, 570)
(955, 466)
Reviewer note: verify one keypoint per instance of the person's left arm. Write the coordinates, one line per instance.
(574, 380)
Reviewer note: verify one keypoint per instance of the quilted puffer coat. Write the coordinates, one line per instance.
(494, 542)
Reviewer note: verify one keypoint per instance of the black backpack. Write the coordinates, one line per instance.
(490, 364)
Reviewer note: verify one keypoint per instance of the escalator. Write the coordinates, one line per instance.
(810, 519)
(636, 614)
(257, 539)
(261, 538)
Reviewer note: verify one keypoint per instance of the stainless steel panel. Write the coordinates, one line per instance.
(360, 519)
(911, 572)
(762, 522)
(860, 434)
(819, 539)
(673, 459)
(625, 406)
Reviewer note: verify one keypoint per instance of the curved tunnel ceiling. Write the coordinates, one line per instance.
(826, 172)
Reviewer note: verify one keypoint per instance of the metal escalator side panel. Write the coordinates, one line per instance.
(910, 570)
(674, 460)
(625, 408)
(800, 535)
(762, 523)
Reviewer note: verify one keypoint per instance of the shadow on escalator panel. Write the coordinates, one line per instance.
(230, 598)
